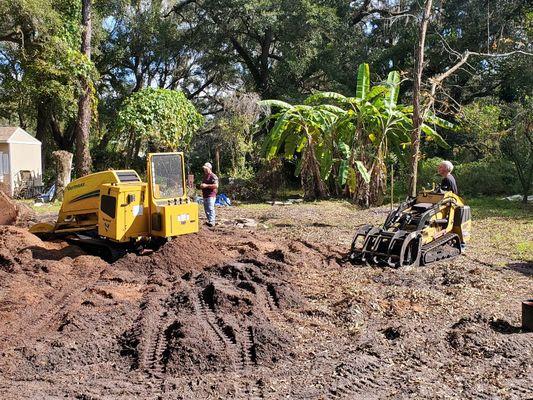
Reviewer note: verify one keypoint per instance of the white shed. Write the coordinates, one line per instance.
(20, 160)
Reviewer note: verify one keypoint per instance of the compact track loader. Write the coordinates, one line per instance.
(111, 212)
(429, 227)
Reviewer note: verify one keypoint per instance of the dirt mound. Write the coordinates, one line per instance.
(211, 305)
(8, 210)
(21, 250)
(12, 213)
(179, 255)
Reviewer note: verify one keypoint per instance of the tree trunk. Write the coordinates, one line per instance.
(63, 164)
(217, 158)
(314, 187)
(417, 113)
(41, 132)
(83, 156)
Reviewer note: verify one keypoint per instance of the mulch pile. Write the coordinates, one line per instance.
(236, 313)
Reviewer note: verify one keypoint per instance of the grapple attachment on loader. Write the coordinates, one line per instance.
(378, 246)
(427, 228)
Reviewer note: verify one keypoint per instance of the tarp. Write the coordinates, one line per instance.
(47, 196)
(222, 200)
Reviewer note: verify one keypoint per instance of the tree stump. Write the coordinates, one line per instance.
(63, 163)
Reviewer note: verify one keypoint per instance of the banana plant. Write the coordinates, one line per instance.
(299, 130)
(346, 140)
(373, 125)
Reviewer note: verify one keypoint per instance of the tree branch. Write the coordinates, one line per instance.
(201, 88)
(365, 11)
(275, 57)
(437, 80)
(178, 7)
(247, 59)
(13, 37)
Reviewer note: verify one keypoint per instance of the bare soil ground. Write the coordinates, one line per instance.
(267, 312)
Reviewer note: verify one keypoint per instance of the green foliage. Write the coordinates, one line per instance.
(363, 82)
(351, 137)
(165, 119)
(517, 142)
(486, 177)
(42, 68)
(289, 50)
(480, 123)
(495, 129)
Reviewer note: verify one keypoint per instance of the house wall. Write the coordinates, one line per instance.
(5, 178)
(25, 156)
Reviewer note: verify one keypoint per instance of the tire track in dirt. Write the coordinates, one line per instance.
(243, 354)
(32, 325)
(355, 380)
(151, 325)
(151, 360)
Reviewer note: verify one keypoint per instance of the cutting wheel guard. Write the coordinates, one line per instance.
(377, 246)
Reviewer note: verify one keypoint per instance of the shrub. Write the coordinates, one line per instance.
(486, 177)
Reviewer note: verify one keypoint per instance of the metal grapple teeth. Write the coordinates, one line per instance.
(378, 246)
(358, 243)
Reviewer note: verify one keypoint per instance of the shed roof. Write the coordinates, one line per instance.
(14, 134)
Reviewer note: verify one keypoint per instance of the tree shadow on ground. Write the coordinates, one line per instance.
(525, 267)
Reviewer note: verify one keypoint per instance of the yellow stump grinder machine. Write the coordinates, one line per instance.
(111, 212)
(429, 227)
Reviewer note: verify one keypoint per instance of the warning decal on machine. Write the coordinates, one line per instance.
(137, 210)
(183, 218)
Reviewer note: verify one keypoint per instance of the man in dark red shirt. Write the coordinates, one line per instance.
(209, 188)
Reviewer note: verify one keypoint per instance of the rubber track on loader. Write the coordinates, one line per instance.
(440, 249)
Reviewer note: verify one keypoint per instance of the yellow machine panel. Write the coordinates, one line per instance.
(172, 213)
(81, 201)
(123, 213)
(173, 220)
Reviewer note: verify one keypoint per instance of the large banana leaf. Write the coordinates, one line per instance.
(393, 83)
(433, 119)
(326, 163)
(319, 96)
(343, 173)
(375, 92)
(271, 145)
(291, 143)
(275, 103)
(301, 144)
(431, 134)
(336, 111)
(345, 150)
(363, 171)
(351, 180)
(363, 81)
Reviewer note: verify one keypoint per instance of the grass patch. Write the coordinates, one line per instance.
(490, 207)
(525, 250)
(44, 208)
